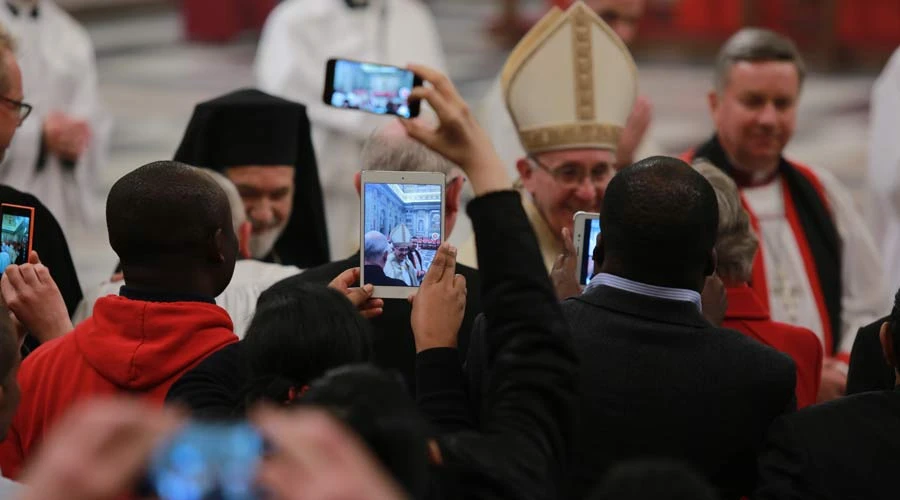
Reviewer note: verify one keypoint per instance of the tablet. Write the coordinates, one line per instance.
(402, 215)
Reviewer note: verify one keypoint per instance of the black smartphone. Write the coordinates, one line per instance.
(374, 88)
(15, 236)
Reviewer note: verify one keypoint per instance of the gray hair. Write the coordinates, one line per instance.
(396, 152)
(238, 213)
(7, 47)
(376, 245)
(756, 45)
(736, 243)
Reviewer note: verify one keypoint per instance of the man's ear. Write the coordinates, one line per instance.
(713, 99)
(453, 194)
(245, 232)
(712, 263)
(357, 182)
(524, 169)
(217, 247)
(887, 344)
(599, 251)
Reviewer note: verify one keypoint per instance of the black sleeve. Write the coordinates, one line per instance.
(868, 370)
(440, 391)
(50, 243)
(782, 464)
(524, 437)
(212, 388)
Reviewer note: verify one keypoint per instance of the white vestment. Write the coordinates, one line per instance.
(250, 279)
(884, 169)
(791, 299)
(297, 41)
(403, 271)
(59, 73)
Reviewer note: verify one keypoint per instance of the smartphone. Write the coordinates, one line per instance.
(207, 460)
(370, 87)
(403, 226)
(587, 227)
(16, 234)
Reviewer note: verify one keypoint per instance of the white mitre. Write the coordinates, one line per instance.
(570, 83)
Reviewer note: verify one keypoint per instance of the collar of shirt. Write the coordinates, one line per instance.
(153, 296)
(660, 292)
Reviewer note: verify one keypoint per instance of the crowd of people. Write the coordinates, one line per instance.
(738, 337)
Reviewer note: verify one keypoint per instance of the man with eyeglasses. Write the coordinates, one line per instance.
(48, 239)
(58, 154)
(569, 87)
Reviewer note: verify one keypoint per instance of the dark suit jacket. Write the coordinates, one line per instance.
(395, 347)
(868, 369)
(844, 449)
(657, 380)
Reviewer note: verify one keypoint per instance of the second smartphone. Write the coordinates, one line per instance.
(370, 87)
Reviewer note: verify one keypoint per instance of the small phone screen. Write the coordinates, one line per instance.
(589, 242)
(370, 87)
(15, 236)
(402, 232)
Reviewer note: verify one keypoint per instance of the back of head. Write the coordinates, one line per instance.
(390, 149)
(756, 45)
(736, 243)
(894, 328)
(660, 220)
(238, 214)
(653, 480)
(7, 48)
(166, 216)
(377, 406)
(300, 331)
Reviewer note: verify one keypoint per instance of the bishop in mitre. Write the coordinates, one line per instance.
(398, 265)
(569, 87)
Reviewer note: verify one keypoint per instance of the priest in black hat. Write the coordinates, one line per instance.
(262, 144)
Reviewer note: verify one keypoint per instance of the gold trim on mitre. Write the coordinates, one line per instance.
(588, 126)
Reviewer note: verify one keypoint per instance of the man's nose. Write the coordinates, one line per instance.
(262, 212)
(768, 115)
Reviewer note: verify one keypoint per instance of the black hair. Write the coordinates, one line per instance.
(894, 327)
(653, 480)
(165, 211)
(299, 331)
(376, 405)
(660, 220)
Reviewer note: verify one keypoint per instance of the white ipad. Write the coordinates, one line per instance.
(587, 227)
(402, 216)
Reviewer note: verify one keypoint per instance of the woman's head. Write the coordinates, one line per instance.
(299, 332)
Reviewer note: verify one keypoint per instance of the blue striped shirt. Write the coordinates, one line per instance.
(660, 292)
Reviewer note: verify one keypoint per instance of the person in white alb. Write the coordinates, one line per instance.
(251, 277)
(58, 155)
(298, 39)
(818, 266)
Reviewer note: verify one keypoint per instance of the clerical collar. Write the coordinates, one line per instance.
(148, 296)
(715, 153)
(16, 10)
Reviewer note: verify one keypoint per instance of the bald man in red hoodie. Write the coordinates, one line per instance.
(171, 227)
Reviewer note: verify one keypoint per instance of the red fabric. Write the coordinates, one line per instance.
(222, 20)
(747, 314)
(127, 347)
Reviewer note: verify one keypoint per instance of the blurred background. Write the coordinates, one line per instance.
(156, 59)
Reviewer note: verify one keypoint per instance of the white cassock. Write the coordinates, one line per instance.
(298, 39)
(250, 279)
(403, 271)
(791, 299)
(884, 168)
(59, 73)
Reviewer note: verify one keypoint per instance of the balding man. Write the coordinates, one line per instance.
(47, 238)
(171, 227)
(250, 278)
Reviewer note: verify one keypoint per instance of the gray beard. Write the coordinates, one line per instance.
(261, 245)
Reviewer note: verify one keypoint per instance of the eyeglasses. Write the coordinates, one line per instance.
(23, 108)
(573, 174)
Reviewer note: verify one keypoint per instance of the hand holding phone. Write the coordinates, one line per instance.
(374, 88)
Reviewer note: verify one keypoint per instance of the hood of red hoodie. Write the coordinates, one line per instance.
(138, 345)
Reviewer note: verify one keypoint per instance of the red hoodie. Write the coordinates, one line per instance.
(128, 346)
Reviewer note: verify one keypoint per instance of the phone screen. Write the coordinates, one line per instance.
(15, 236)
(208, 460)
(374, 88)
(589, 242)
(401, 233)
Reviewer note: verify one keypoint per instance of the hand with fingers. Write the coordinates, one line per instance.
(98, 450)
(315, 457)
(33, 297)
(458, 137)
(440, 304)
(361, 297)
(565, 269)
